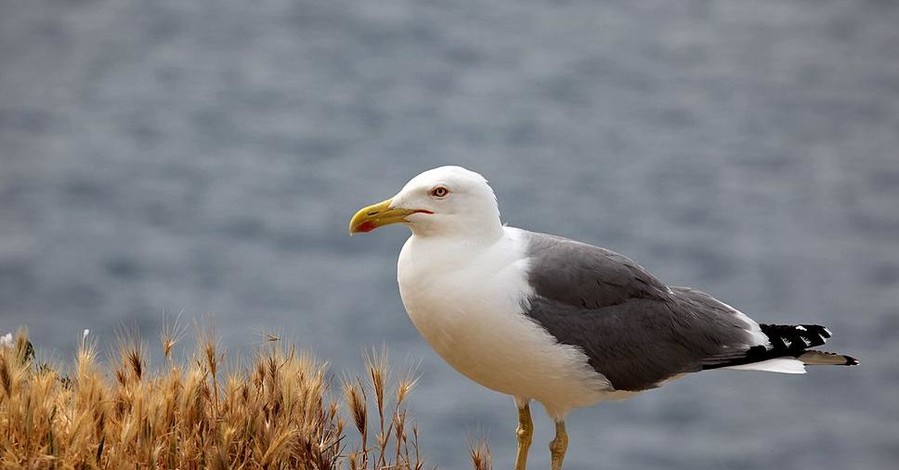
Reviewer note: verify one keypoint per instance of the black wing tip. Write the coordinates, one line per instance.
(794, 339)
(809, 334)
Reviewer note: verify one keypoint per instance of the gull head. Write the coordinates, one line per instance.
(445, 201)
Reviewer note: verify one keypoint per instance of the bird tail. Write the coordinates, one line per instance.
(789, 352)
(797, 341)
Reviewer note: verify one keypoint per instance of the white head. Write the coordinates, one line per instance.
(445, 201)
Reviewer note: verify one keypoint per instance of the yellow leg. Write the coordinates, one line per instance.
(559, 445)
(524, 432)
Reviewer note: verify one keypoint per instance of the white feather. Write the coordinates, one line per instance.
(783, 365)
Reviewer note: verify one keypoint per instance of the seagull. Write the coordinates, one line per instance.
(553, 320)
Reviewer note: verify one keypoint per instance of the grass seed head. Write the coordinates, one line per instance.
(275, 412)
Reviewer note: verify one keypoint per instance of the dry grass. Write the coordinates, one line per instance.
(278, 411)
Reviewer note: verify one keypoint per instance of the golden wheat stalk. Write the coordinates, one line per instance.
(275, 412)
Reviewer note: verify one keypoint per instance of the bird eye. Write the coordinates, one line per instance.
(439, 191)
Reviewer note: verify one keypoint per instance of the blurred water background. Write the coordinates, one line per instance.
(203, 157)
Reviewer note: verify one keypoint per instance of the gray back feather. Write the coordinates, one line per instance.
(634, 330)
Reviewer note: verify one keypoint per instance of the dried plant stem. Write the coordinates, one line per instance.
(277, 412)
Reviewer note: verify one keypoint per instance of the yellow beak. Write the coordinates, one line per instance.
(377, 215)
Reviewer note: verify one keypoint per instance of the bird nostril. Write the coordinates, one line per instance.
(372, 213)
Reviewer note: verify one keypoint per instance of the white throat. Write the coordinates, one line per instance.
(484, 232)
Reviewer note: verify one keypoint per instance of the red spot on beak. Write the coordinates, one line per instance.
(366, 227)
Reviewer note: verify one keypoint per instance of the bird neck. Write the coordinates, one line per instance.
(484, 233)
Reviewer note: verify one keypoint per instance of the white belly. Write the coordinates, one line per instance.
(469, 311)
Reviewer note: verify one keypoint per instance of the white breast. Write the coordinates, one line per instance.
(466, 302)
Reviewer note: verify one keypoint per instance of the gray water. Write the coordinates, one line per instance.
(203, 157)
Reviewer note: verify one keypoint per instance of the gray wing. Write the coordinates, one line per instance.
(634, 329)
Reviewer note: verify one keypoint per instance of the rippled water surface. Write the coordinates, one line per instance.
(204, 157)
